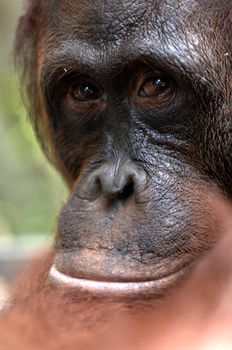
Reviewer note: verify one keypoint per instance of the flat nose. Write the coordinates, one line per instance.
(122, 181)
(116, 181)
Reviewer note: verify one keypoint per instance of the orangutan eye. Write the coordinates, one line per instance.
(85, 92)
(157, 87)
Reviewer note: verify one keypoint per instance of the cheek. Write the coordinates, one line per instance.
(76, 139)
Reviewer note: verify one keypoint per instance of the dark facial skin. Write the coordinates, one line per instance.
(134, 98)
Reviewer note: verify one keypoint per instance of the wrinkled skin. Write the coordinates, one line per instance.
(196, 316)
(131, 101)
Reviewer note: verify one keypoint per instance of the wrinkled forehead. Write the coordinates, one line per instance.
(101, 21)
(103, 33)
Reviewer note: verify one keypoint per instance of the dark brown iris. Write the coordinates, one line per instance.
(85, 92)
(156, 87)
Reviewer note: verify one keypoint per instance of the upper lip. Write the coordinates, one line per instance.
(107, 288)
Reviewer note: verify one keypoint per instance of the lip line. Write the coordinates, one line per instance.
(116, 287)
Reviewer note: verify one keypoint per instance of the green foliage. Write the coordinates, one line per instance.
(30, 190)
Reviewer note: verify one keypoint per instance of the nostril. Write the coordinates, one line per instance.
(114, 192)
(127, 191)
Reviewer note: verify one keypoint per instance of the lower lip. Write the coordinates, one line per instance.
(120, 289)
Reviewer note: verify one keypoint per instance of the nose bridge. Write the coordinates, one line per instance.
(117, 146)
(117, 123)
(117, 161)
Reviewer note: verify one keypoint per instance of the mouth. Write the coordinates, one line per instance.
(150, 288)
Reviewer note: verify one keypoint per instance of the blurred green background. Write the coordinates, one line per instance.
(31, 192)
